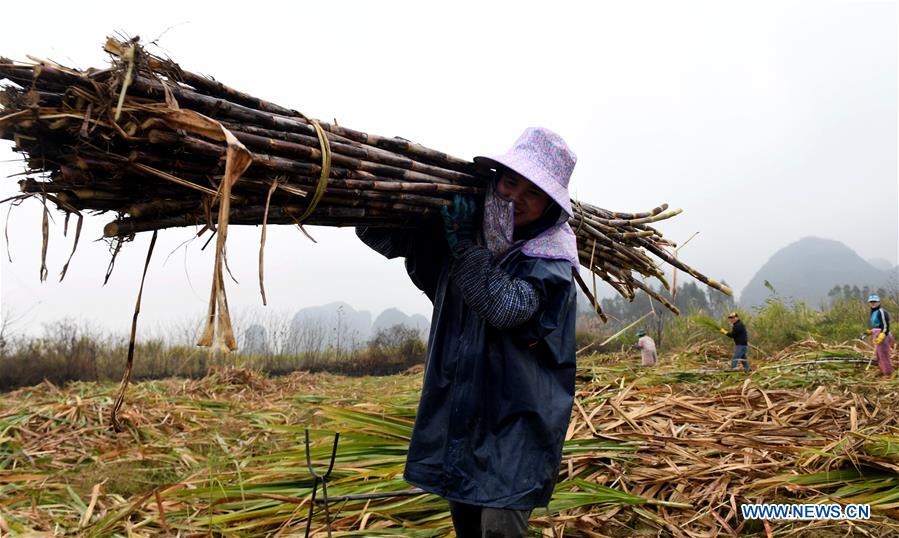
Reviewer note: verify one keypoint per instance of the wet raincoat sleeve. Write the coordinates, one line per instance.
(532, 305)
(554, 283)
(501, 300)
(424, 249)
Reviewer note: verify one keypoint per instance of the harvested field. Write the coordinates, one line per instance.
(671, 452)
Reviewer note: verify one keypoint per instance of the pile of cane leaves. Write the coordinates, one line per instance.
(673, 451)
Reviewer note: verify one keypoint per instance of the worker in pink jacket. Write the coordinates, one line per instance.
(647, 348)
(880, 331)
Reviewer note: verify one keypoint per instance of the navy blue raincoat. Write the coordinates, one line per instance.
(495, 404)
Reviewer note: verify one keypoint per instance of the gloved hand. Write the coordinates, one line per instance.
(459, 223)
(869, 331)
(879, 338)
(723, 331)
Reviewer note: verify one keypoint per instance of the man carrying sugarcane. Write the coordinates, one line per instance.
(647, 347)
(499, 378)
(741, 341)
(879, 324)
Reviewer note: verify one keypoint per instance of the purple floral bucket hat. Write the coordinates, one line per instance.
(543, 157)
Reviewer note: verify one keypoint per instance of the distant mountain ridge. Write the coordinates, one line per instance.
(395, 316)
(809, 268)
(881, 263)
(334, 325)
(338, 324)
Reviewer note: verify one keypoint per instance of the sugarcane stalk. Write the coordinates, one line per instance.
(358, 151)
(602, 274)
(649, 291)
(70, 198)
(590, 296)
(160, 207)
(671, 260)
(240, 103)
(645, 220)
(16, 98)
(282, 165)
(304, 181)
(313, 153)
(626, 216)
(624, 330)
(175, 162)
(217, 107)
(635, 256)
(345, 166)
(277, 215)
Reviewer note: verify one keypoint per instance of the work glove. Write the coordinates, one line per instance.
(459, 223)
(723, 331)
(879, 338)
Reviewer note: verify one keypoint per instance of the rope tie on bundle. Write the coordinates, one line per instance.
(322, 185)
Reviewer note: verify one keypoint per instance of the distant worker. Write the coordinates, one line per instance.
(647, 348)
(880, 331)
(741, 341)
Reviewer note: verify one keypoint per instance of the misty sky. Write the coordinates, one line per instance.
(765, 121)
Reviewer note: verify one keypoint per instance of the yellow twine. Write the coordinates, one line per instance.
(580, 224)
(326, 170)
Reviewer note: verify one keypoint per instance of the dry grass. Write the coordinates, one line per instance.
(671, 452)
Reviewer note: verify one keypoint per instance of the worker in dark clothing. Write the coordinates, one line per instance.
(741, 341)
(499, 378)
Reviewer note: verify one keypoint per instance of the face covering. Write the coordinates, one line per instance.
(499, 223)
(550, 237)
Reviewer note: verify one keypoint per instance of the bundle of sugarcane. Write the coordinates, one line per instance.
(163, 147)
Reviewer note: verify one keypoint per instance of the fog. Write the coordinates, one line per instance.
(765, 121)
